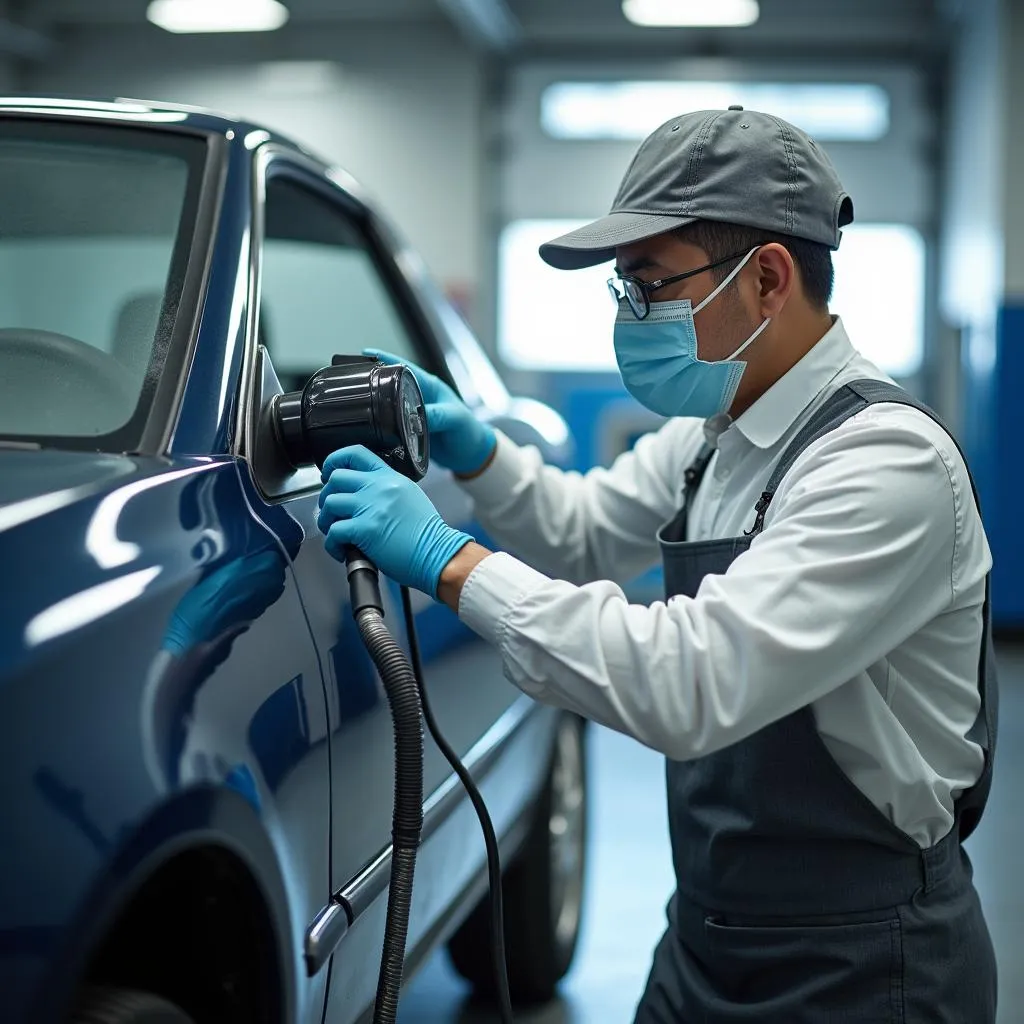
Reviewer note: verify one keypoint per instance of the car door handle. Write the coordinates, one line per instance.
(324, 934)
(332, 923)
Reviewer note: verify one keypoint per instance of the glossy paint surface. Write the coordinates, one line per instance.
(142, 661)
(179, 664)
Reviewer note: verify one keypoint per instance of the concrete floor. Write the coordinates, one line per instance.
(630, 880)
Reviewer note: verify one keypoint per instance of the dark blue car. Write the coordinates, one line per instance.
(195, 750)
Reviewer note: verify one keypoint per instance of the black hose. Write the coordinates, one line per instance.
(407, 697)
(407, 823)
(490, 840)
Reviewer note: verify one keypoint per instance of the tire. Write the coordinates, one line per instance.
(542, 887)
(126, 1006)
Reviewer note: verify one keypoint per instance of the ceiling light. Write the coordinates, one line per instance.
(691, 13)
(217, 15)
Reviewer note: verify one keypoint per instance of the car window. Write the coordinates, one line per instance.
(322, 292)
(95, 228)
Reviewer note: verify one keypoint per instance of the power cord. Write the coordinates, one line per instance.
(490, 840)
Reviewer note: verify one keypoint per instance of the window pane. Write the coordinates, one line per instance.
(632, 110)
(551, 319)
(88, 235)
(879, 293)
(321, 291)
(563, 320)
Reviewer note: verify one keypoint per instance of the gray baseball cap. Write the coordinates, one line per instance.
(735, 166)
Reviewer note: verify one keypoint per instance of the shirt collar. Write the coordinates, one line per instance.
(764, 423)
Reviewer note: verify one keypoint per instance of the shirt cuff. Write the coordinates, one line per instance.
(504, 473)
(492, 591)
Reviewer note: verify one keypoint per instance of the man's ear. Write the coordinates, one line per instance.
(777, 277)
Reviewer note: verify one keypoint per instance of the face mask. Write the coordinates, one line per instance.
(657, 358)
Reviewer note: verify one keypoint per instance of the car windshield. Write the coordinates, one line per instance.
(95, 228)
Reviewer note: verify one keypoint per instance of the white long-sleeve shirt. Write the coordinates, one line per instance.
(862, 596)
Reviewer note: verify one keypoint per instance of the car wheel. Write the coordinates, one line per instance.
(542, 887)
(126, 1006)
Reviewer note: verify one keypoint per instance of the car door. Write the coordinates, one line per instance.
(243, 703)
(327, 285)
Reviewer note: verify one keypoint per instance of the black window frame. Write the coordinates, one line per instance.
(276, 161)
(360, 219)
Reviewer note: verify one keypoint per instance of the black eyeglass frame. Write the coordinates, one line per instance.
(646, 287)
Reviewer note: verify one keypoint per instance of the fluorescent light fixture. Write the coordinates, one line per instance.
(691, 13)
(838, 111)
(217, 15)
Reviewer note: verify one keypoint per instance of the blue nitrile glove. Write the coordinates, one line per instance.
(366, 503)
(458, 440)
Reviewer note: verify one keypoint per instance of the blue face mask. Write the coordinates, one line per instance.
(657, 358)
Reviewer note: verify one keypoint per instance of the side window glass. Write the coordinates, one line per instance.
(322, 292)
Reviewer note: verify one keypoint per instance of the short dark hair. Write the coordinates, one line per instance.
(813, 259)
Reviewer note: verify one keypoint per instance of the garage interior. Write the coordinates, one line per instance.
(448, 114)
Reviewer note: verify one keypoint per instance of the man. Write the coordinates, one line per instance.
(820, 676)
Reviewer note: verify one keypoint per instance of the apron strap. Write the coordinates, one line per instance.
(844, 403)
(695, 474)
(691, 484)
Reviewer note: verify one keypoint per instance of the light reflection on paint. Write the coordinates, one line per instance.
(31, 508)
(344, 180)
(155, 117)
(545, 420)
(239, 299)
(256, 138)
(101, 540)
(87, 606)
(48, 101)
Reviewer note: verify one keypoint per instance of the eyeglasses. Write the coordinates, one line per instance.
(638, 293)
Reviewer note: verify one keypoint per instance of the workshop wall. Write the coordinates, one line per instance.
(1013, 43)
(983, 275)
(972, 215)
(398, 108)
(890, 180)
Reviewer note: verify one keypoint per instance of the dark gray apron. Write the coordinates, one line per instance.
(797, 901)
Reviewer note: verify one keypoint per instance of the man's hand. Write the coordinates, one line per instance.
(458, 440)
(366, 503)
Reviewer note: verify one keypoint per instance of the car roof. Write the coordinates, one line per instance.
(144, 114)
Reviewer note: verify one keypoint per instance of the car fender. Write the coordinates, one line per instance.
(200, 817)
